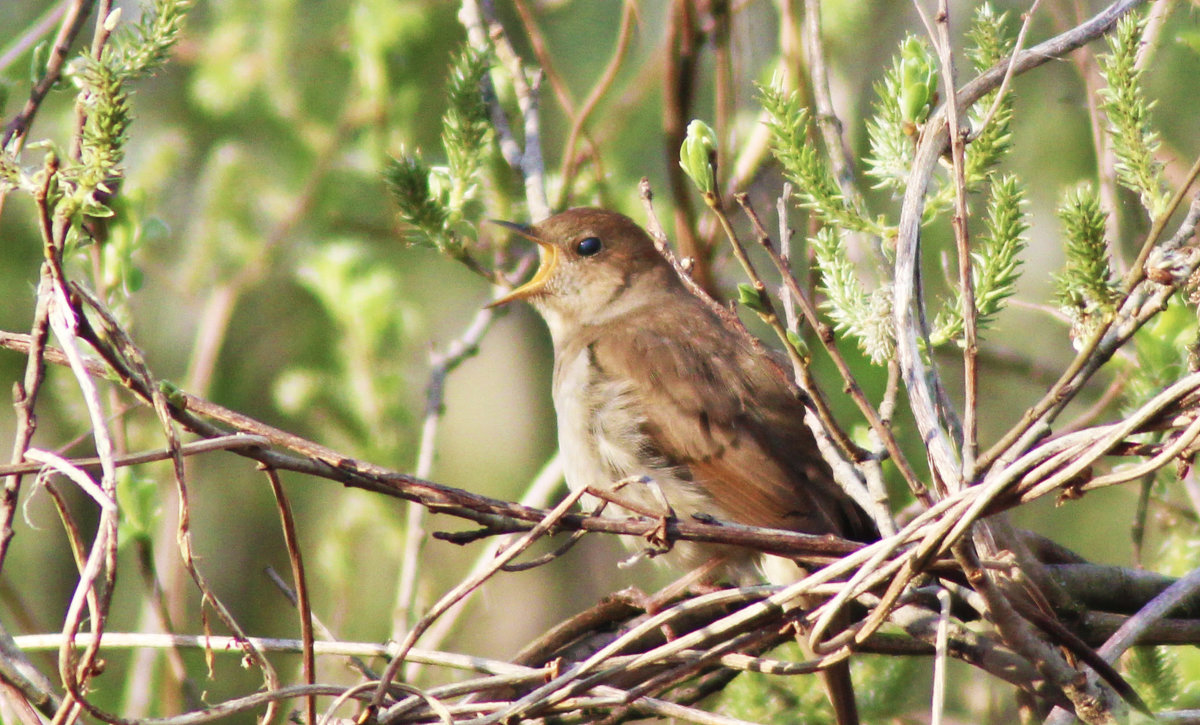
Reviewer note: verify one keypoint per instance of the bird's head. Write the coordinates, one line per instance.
(595, 265)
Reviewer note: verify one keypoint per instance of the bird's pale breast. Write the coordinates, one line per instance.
(602, 439)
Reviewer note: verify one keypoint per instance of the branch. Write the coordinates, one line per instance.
(933, 142)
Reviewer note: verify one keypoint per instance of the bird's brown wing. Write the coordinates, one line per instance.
(717, 408)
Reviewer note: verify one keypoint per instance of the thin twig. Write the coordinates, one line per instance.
(53, 462)
(39, 27)
(483, 29)
(540, 490)
(442, 364)
(578, 122)
(679, 86)
(467, 586)
(933, 141)
(828, 121)
(828, 342)
(208, 445)
(102, 557)
(940, 659)
(545, 59)
(966, 284)
(721, 20)
(303, 605)
(72, 25)
(1002, 91)
(25, 395)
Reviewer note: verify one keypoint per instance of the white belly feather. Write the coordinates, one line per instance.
(602, 441)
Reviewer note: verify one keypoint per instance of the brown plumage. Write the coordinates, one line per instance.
(648, 381)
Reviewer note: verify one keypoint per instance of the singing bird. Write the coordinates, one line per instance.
(650, 383)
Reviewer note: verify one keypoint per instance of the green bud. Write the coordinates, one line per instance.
(37, 61)
(749, 296)
(173, 394)
(798, 344)
(918, 80)
(698, 155)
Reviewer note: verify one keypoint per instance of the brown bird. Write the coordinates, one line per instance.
(649, 382)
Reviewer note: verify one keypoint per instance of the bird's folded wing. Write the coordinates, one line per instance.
(713, 406)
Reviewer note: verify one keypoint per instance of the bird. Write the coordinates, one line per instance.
(650, 384)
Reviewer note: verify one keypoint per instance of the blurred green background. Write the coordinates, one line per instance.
(277, 282)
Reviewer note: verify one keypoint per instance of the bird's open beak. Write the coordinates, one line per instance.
(549, 255)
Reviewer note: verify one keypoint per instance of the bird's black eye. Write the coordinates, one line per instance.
(588, 246)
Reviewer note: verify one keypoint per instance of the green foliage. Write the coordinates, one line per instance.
(37, 62)
(884, 687)
(120, 251)
(752, 298)
(989, 37)
(145, 46)
(105, 131)
(1133, 140)
(362, 392)
(422, 206)
(762, 698)
(804, 166)
(991, 40)
(1085, 288)
(995, 263)
(465, 126)
(433, 200)
(103, 99)
(1153, 672)
(798, 344)
(1161, 351)
(867, 316)
(918, 81)
(141, 506)
(890, 141)
(262, 150)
